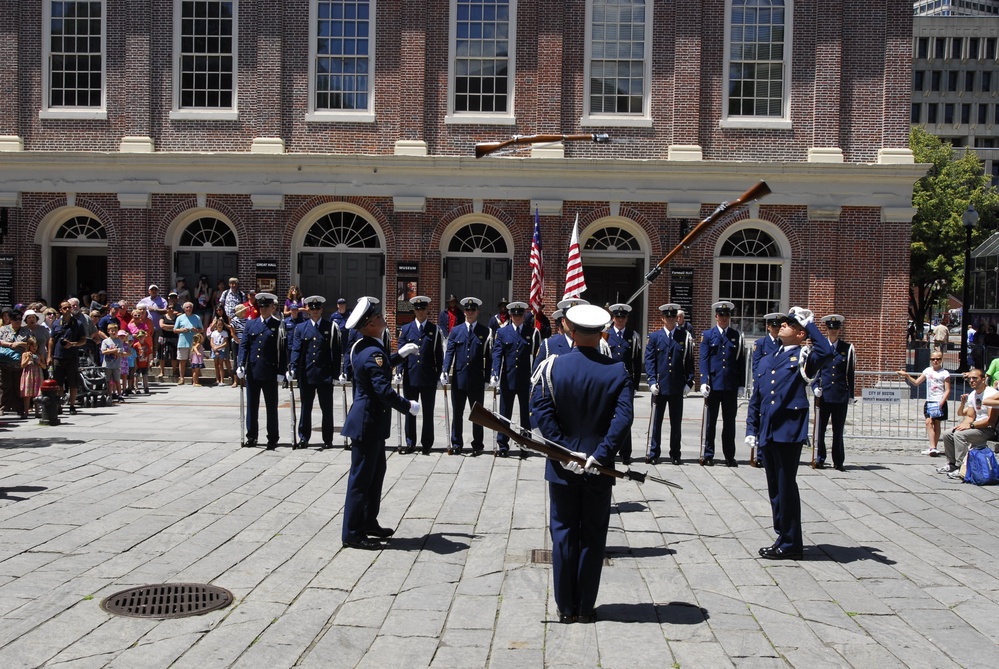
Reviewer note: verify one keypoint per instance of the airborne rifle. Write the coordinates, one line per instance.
(527, 439)
(485, 148)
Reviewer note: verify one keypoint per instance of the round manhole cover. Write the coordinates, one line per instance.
(167, 600)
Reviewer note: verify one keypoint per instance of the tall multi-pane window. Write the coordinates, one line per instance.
(751, 276)
(618, 56)
(207, 54)
(343, 55)
(75, 55)
(483, 47)
(757, 68)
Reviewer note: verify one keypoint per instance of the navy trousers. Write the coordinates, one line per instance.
(270, 392)
(458, 399)
(425, 396)
(507, 399)
(837, 412)
(308, 395)
(364, 489)
(728, 400)
(580, 515)
(675, 405)
(780, 462)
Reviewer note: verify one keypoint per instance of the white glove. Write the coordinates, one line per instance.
(591, 465)
(343, 379)
(802, 315)
(291, 375)
(494, 382)
(444, 378)
(750, 441)
(414, 407)
(240, 372)
(686, 389)
(705, 390)
(574, 466)
(817, 392)
(741, 391)
(280, 378)
(409, 349)
(654, 389)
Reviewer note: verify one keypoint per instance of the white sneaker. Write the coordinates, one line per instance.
(946, 469)
(932, 452)
(955, 475)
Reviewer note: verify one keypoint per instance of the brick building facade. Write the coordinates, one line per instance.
(331, 144)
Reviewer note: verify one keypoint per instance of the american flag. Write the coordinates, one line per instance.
(537, 270)
(575, 284)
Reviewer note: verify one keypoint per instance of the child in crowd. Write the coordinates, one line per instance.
(133, 357)
(110, 357)
(31, 375)
(220, 351)
(123, 346)
(197, 359)
(143, 357)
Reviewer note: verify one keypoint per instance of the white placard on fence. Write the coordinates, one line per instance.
(882, 395)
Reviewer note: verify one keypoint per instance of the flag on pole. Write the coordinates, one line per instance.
(537, 271)
(575, 284)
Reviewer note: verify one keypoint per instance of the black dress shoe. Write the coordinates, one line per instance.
(271, 445)
(523, 454)
(425, 450)
(363, 544)
(676, 461)
(820, 465)
(502, 453)
(587, 619)
(250, 443)
(626, 460)
(649, 460)
(781, 554)
(325, 446)
(475, 451)
(708, 462)
(730, 462)
(839, 468)
(381, 532)
(566, 618)
(301, 444)
(765, 549)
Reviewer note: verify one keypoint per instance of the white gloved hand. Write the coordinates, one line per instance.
(686, 389)
(591, 465)
(494, 382)
(654, 389)
(280, 378)
(414, 407)
(241, 372)
(574, 466)
(705, 390)
(750, 441)
(802, 315)
(817, 392)
(409, 349)
(343, 379)
(444, 378)
(741, 392)
(291, 375)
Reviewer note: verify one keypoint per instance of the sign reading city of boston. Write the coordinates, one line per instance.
(882, 395)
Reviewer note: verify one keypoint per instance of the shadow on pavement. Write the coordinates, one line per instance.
(19, 488)
(846, 554)
(638, 551)
(630, 507)
(435, 542)
(37, 442)
(673, 613)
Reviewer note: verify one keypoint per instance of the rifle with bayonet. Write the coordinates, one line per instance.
(757, 192)
(485, 148)
(527, 439)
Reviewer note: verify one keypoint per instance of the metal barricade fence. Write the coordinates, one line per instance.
(888, 407)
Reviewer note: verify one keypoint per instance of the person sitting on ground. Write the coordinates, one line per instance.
(937, 391)
(977, 427)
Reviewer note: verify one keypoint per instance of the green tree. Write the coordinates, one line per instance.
(938, 234)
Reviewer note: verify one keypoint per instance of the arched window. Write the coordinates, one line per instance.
(82, 227)
(612, 238)
(477, 238)
(751, 276)
(343, 229)
(208, 232)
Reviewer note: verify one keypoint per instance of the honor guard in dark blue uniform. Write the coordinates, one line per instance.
(582, 400)
(833, 390)
(466, 360)
(625, 346)
(351, 338)
(669, 366)
(368, 425)
(340, 316)
(263, 360)
(723, 375)
(560, 342)
(763, 347)
(315, 363)
(514, 349)
(777, 422)
(420, 371)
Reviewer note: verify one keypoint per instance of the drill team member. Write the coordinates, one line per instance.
(514, 350)
(368, 425)
(669, 366)
(723, 373)
(625, 346)
(315, 362)
(465, 363)
(582, 400)
(263, 360)
(834, 389)
(764, 346)
(420, 371)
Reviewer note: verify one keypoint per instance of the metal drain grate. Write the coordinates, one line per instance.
(544, 556)
(167, 600)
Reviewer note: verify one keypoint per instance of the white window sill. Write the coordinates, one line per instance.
(339, 117)
(479, 119)
(204, 115)
(74, 114)
(755, 124)
(615, 122)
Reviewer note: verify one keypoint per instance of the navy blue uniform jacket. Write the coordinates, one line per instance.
(467, 356)
(723, 360)
(369, 416)
(315, 353)
(423, 367)
(669, 361)
(836, 378)
(513, 355)
(583, 402)
(259, 353)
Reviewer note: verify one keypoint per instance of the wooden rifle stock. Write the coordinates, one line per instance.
(489, 420)
(485, 148)
(756, 192)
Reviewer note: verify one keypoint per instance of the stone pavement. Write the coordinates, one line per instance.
(899, 569)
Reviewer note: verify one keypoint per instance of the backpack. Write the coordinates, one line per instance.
(982, 467)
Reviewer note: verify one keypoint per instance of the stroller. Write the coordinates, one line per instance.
(94, 390)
